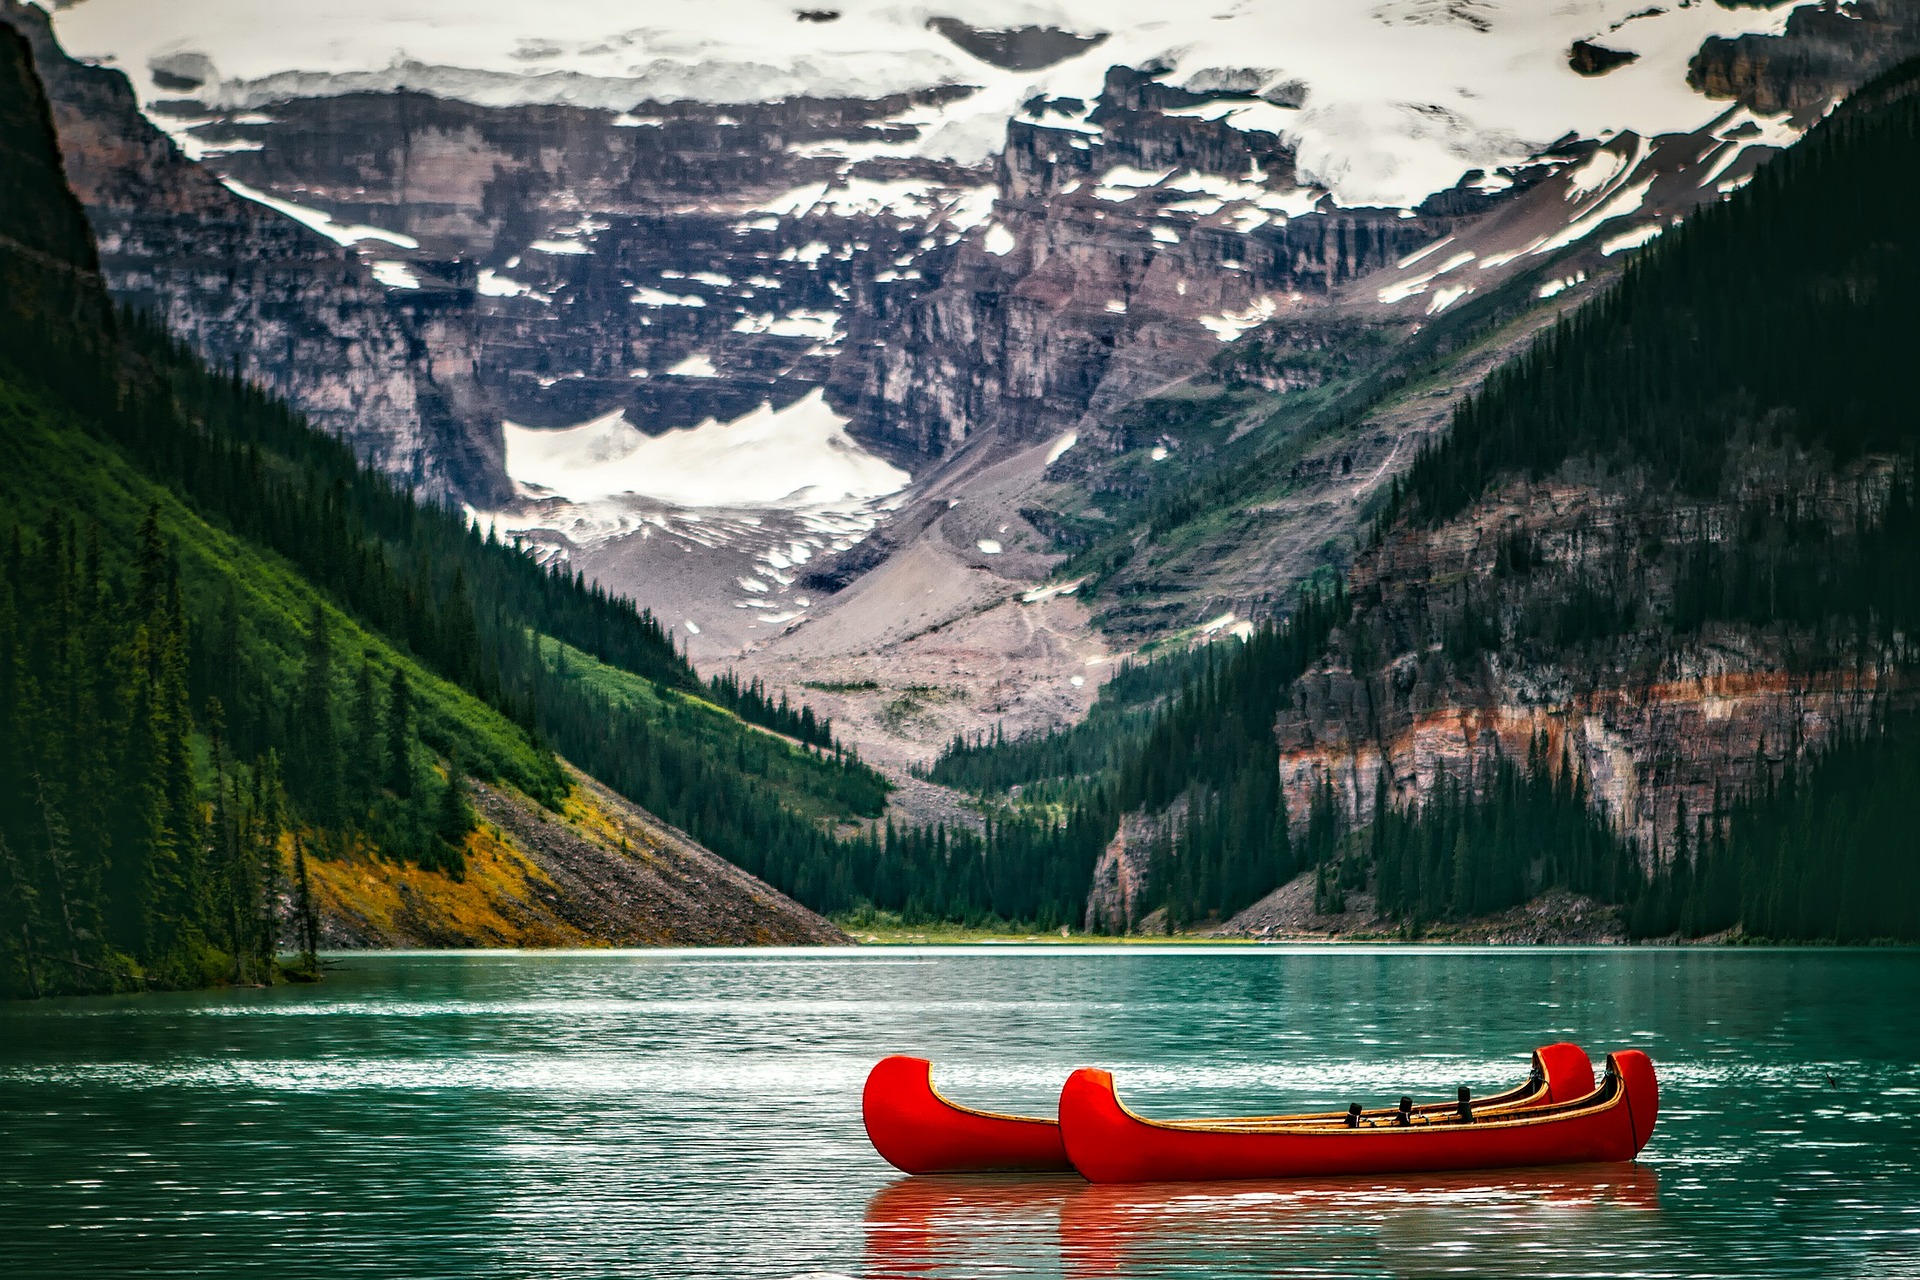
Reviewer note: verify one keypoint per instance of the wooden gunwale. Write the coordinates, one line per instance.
(1608, 1095)
(963, 1109)
(1523, 1096)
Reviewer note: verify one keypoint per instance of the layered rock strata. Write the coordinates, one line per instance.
(1657, 723)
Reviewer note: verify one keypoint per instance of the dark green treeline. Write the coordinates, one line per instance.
(1474, 846)
(106, 870)
(1208, 744)
(1827, 852)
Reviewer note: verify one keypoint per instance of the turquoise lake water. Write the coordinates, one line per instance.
(619, 1114)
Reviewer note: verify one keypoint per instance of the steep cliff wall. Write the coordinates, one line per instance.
(598, 252)
(1130, 239)
(1547, 612)
(247, 286)
(1825, 50)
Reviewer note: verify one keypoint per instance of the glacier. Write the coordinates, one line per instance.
(1386, 101)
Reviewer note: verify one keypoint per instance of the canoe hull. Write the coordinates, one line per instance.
(917, 1131)
(1108, 1143)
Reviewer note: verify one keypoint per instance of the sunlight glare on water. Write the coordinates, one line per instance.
(697, 1114)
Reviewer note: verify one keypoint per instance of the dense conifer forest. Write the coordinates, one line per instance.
(1699, 368)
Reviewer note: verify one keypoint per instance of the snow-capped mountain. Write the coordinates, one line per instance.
(1384, 101)
(707, 292)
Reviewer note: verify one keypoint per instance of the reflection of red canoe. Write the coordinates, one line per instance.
(923, 1227)
(1297, 1222)
(1109, 1143)
(919, 1131)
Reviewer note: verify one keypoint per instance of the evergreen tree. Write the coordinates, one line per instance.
(454, 822)
(319, 763)
(399, 735)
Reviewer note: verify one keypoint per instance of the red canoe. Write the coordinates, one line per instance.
(918, 1131)
(1109, 1143)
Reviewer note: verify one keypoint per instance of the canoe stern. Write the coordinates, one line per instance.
(1568, 1070)
(1102, 1138)
(917, 1131)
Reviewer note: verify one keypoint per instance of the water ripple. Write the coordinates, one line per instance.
(695, 1114)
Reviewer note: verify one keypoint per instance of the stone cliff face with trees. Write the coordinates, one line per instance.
(1638, 625)
(251, 289)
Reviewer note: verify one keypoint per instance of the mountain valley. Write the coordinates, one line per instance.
(968, 265)
(1059, 467)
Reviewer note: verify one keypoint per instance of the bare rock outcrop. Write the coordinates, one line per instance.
(1826, 50)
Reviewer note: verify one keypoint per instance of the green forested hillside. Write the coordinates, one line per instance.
(221, 639)
(1765, 338)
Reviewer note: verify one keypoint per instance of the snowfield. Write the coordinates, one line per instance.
(1396, 98)
(797, 457)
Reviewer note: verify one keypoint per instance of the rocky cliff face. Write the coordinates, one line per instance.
(1826, 50)
(1131, 237)
(678, 261)
(248, 287)
(1545, 613)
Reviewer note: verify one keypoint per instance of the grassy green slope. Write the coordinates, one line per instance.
(50, 464)
(798, 776)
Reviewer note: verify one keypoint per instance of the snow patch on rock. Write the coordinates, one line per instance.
(319, 221)
(799, 456)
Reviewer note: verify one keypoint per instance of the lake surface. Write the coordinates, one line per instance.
(697, 1114)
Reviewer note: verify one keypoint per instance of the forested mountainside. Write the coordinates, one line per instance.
(1637, 626)
(229, 653)
(1637, 630)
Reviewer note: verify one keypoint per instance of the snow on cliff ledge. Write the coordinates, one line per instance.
(1401, 96)
(796, 457)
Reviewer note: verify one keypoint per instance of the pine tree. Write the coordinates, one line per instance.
(454, 822)
(364, 760)
(320, 764)
(306, 916)
(399, 735)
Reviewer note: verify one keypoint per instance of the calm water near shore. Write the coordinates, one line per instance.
(697, 1114)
